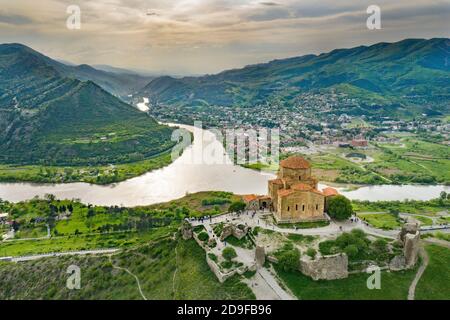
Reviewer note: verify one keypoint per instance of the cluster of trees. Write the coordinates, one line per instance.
(357, 246)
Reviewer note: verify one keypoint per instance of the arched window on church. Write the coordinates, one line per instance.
(303, 207)
(296, 207)
(317, 207)
(299, 178)
(288, 208)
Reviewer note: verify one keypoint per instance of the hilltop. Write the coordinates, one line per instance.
(383, 77)
(48, 118)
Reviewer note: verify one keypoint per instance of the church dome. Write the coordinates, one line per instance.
(295, 162)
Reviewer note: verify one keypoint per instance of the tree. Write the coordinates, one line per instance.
(340, 208)
(237, 206)
(229, 253)
(203, 236)
(351, 250)
(289, 260)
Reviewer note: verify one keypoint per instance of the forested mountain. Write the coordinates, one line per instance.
(49, 118)
(412, 72)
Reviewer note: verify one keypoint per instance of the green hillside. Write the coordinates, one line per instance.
(412, 73)
(166, 269)
(49, 119)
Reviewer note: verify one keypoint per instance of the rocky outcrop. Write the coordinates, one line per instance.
(325, 268)
(409, 237)
(409, 227)
(238, 231)
(411, 248)
(397, 263)
(186, 230)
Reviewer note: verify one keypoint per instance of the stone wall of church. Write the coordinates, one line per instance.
(293, 176)
(273, 193)
(301, 206)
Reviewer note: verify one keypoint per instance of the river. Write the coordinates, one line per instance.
(196, 170)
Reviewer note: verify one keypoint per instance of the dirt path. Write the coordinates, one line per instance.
(130, 273)
(425, 261)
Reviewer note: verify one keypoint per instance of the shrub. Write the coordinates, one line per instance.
(213, 244)
(214, 201)
(289, 260)
(380, 245)
(218, 229)
(340, 208)
(229, 253)
(311, 252)
(327, 247)
(203, 236)
(212, 256)
(237, 206)
(351, 250)
(226, 264)
(199, 228)
(358, 233)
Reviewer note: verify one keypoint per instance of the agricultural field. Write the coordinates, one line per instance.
(429, 208)
(411, 160)
(385, 221)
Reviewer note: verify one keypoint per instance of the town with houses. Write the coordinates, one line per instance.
(314, 120)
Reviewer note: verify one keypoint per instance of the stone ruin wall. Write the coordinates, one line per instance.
(325, 268)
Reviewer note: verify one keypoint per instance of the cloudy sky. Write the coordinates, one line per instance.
(207, 36)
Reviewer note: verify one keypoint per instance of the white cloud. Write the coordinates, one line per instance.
(210, 35)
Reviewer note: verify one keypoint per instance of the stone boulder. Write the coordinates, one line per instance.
(325, 268)
(397, 263)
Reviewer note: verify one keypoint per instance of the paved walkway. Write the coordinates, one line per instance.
(264, 285)
(273, 283)
(57, 254)
(333, 229)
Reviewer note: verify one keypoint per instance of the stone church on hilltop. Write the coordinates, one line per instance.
(294, 195)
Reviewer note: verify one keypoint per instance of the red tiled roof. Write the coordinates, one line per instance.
(330, 192)
(317, 191)
(301, 187)
(285, 192)
(249, 197)
(295, 162)
(276, 181)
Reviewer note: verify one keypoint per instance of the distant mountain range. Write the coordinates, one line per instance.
(49, 116)
(412, 73)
